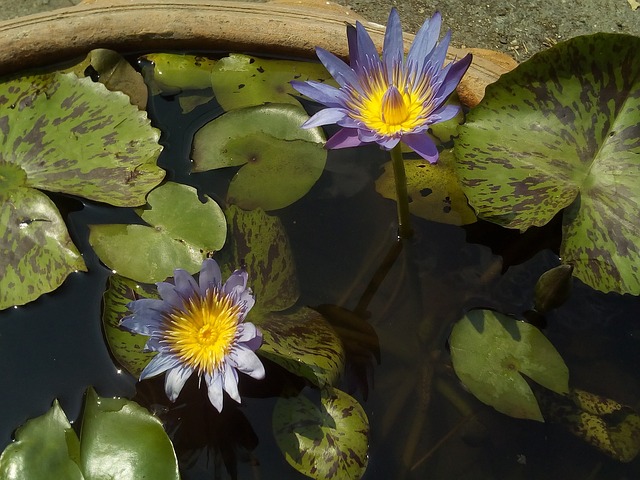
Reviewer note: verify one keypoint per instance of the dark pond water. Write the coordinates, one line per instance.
(341, 233)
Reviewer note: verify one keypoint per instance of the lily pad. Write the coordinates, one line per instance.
(434, 190)
(260, 243)
(562, 131)
(170, 73)
(36, 251)
(280, 161)
(326, 441)
(119, 439)
(184, 231)
(491, 352)
(240, 80)
(126, 347)
(304, 343)
(45, 447)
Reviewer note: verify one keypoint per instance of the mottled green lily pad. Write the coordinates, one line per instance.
(434, 190)
(260, 243)
(126, 347)
(562, 131)
(119, 439)
(325, 441)
(302, 342)
(490, 353)
(183, 232)
(45, 447)
(36, 252)
(242, 81)
(280, 161)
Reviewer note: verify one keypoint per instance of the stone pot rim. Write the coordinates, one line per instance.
(281, 28)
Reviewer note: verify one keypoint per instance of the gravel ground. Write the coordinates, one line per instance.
(518, 27)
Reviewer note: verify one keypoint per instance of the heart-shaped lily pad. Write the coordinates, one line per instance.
(490, 353)
(281, 161)
(325, 441)
(434, 190)
(184, 231)
(562, 130)
(241, 81)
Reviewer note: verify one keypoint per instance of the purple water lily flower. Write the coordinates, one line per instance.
(390, 99)
(200, 327)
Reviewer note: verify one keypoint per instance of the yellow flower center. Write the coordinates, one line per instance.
(202, 334)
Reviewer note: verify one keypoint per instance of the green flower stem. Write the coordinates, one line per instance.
(404, 221)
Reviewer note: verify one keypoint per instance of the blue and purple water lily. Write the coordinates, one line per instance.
(199, 327)
(390, 99)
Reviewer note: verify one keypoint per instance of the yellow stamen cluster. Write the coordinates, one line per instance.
(202, 334)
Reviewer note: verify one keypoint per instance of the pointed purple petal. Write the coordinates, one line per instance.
(444, 113)
(320, 92)
(169, 295)
(340, 71)
(423, 145)
(210, 275)
(425, 40)
(453, 76)
(344, 138)
(159, 364)
(325, 117)
(175, 380)
(352, 42)
(247, 362)
(388, 142)
(143, 324)
(230, 382)
(247, 331)
(186, 286)
(214, 389)
(237, 281)
(367, 54)
(393, 47)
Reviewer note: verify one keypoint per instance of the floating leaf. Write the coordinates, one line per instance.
(122, 440)
(184, 231)
(46, 447)
(281, 161)
(604, 423)
(242, 81)
(36, 252)
(434, 190)
(170, 73)
(553, 288)
(491, 352)
(302, 342)
(126, 347)
(74, 136)
(326, 441)
(260, 242)
(562, 130)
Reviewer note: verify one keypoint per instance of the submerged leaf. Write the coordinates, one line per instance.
(122, 440)
(491, 352)
(562, 130)
(434, 190)
(553, 288)
(126, 347)
(241, 81)
(74, 136)
(302, 342)
(46, 447)
(184, 231)
(170, 73)
(281, 161)
(36, 251)
(326, 441)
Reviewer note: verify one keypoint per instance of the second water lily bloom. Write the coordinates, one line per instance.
(199, 327)
(388, 99)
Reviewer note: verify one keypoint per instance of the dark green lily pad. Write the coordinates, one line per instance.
(122, 440)
(45, 447)
(184, 231)
(281, 161)
(304, 343)
(562, 131)
(434, 190)
(241, 81)
(490, 353)
(119, 439)
(260, 242)
(36, 252)
(126, 347)
(326, 441)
